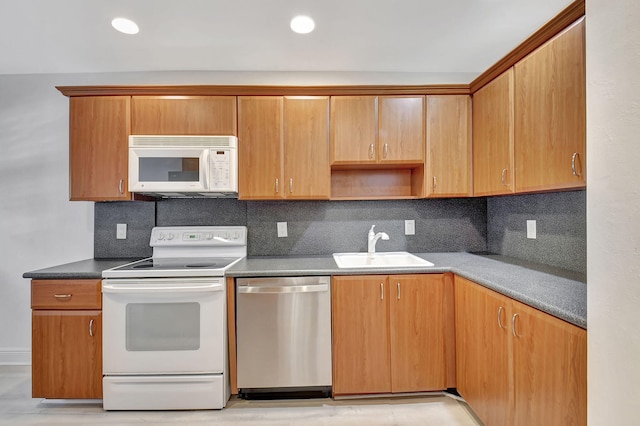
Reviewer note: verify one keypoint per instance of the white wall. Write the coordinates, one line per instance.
(613, 211)
(39, 227)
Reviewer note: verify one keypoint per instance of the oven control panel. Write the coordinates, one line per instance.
(198, 236)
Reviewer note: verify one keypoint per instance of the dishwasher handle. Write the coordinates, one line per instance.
(281, 289)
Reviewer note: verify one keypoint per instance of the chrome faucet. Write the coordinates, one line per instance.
(373, 239)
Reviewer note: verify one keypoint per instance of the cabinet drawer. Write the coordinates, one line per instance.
(66, 294)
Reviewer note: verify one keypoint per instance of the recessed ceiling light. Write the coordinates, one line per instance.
(302, 24)
(125, 25)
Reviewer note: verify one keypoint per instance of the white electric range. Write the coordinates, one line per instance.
(164, 322)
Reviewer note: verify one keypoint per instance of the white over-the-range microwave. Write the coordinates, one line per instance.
(183, 166)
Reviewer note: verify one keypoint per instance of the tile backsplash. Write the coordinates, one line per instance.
(314, 227)
(494, 224)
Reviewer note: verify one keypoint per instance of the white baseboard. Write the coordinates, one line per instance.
(15, 356)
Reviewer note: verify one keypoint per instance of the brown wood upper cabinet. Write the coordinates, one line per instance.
(517, 365)
(448, 164)
(493, 145)
(377, 129)
(388, 333)
(283, 147)
(550, 125)
(99, 128)
(183, 115)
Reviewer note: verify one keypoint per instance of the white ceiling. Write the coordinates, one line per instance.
(384, 36)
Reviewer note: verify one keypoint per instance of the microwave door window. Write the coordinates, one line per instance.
(169, 169)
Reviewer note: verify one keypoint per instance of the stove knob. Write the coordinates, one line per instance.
(236, 235)
(209, 236)
(226, 236)
(161, 236)
(170, 237)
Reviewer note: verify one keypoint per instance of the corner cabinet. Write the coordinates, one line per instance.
(448, 163)
(66, 339)
(517, 365)
(550, 111)
(283, 147)
(388, 334)
(99, 127)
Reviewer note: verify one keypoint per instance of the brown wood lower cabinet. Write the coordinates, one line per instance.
(517, 365)
(388, 333)
(66, 339)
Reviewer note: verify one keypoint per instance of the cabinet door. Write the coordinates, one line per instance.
(98, 152)
(417, 332)
(482, 352)
(550, 364)
(360, 335)
(550, 115)
(493, 172)
(67, 354)
(354, 129)
(306, 147)
(183, 115)
(401, 129)
(260, 147)
(448, 146)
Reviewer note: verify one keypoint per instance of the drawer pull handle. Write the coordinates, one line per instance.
(504, 174)
(381, 291)
(91, 328)
(371, 152)
(398, 284)
(62, 297)
(121, 186)
(500, 309)
(386, 150)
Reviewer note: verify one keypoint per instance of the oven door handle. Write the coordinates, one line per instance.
(141, 289)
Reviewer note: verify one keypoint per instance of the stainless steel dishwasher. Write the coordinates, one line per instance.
(283, 335)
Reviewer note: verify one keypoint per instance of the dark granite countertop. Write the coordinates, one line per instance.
(83, 269)
(558, 292)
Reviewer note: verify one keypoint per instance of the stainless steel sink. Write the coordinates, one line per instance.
(397, 259)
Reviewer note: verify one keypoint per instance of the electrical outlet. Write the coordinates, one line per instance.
(531, 229)
(121, 231)
(410, 227)
(282, 229)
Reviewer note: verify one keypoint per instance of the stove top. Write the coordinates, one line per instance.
(185, 251)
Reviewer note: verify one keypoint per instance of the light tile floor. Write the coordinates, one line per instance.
(18, 408)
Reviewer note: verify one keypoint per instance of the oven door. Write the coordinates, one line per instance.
(163, 326)
(168, 169)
